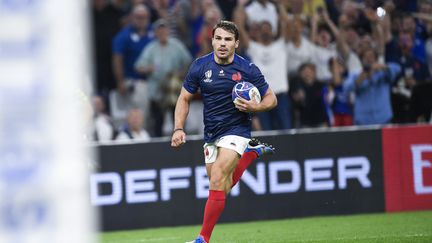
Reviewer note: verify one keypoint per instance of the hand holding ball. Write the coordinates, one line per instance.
(246, 97)
(246, 91)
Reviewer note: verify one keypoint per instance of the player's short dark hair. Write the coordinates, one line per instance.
(227, 26)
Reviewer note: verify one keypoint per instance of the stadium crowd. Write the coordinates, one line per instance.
(330, 62)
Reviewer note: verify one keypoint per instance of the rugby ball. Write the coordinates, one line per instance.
(246, 91)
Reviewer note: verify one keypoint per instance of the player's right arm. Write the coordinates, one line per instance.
(180, 115)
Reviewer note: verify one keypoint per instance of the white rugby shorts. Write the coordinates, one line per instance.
(232, 142)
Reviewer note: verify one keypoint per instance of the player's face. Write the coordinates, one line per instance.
(224, 45)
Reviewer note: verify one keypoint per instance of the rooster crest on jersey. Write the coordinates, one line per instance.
(246, 91)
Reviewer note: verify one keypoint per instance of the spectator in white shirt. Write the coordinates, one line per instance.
(134, 129)
(103, 128)
(299, 49)
(268, 53)
(324, 49)
(262, 10)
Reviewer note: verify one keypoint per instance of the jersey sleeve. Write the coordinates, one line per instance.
(257, 79)
(191, 82)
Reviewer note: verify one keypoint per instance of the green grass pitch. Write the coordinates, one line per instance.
(394, 227)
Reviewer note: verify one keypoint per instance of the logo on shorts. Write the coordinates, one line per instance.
(233, 144)
(208, 75)
(206, 152)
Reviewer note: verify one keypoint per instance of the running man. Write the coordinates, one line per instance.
(228, 148)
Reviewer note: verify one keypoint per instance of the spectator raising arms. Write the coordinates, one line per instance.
(372, 89)
(269, 54)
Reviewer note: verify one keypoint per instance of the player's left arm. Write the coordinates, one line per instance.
(268, 102)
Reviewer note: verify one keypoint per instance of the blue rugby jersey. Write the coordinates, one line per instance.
(216, 83)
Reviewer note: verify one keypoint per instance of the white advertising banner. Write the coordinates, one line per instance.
(44, 168)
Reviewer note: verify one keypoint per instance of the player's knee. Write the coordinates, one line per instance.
(217, 179)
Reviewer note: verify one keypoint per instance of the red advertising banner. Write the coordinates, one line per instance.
(407, 155)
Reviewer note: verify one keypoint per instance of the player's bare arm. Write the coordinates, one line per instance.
(180, 114)
(268, 102)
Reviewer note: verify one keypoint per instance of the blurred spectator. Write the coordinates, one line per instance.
(211, 16)
(189, 19)
(164, 9)
(372, 90)
(324, 48)
(353, 15)
(294, 7)
(106, 23)
(127, 46)
(386, 19)
(299, 49)
(414, 71)
(401, 99)
(128, 5)
(351, 38)
(417, 35)
(353, 63)
(421, 103)
(334, 8)
(164, 61)
(269, 55)
(307, 96)
(311, 6)
(425, 19)
(338, 102)
(262, 10)
(169, 11)
(227, 7)
(102, 123)
(134, 130)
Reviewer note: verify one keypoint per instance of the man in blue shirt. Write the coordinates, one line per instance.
(126, 48)
(372, 89)
(227, 126)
